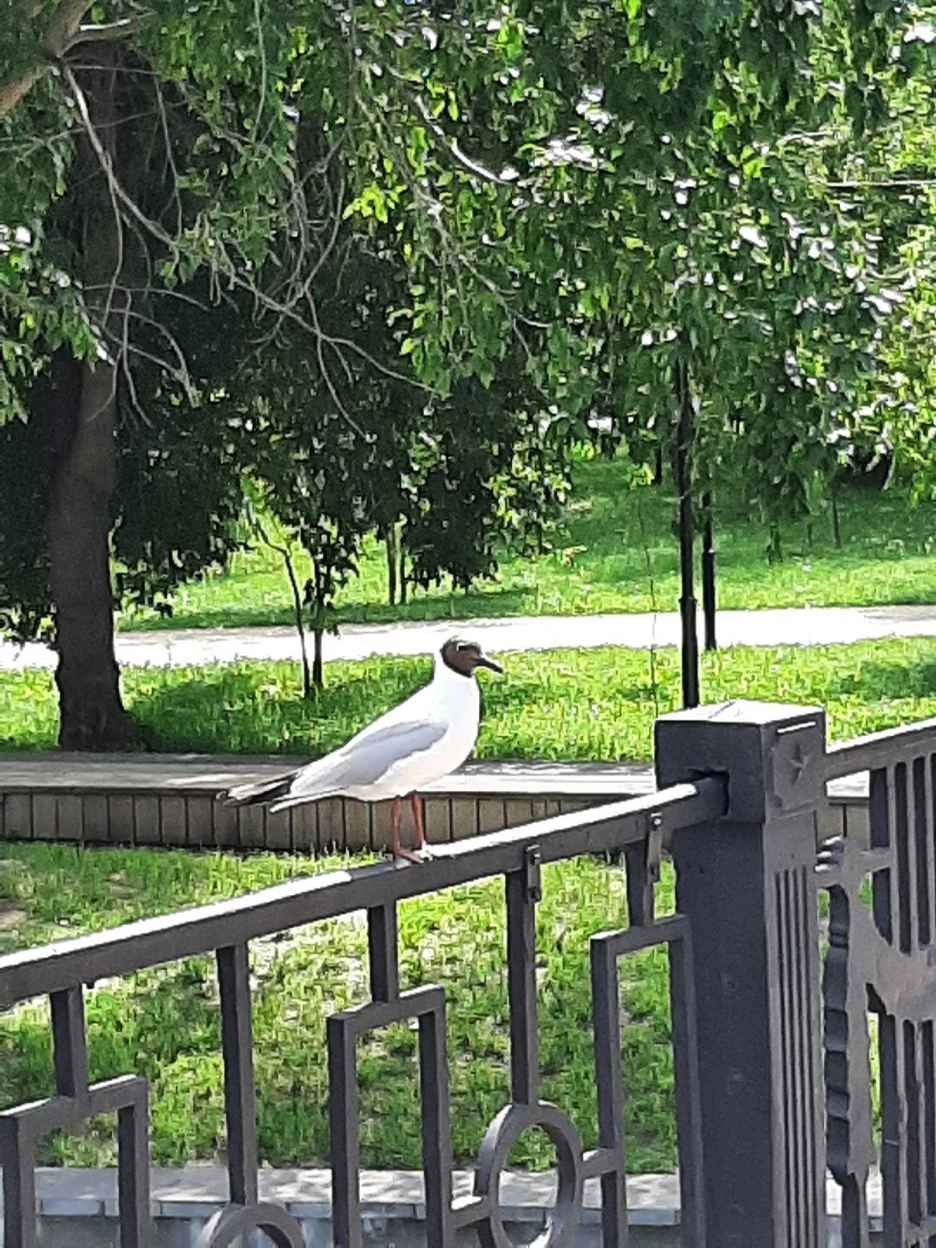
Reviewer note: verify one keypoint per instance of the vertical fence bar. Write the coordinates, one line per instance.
(436, 1141)
(892, 1116)
(929, 1119)
(382, 952)
(522, 892)
(343, 1127)
(69, 1044)
(745, 884)
(133, 1180)
(19, 1184)
(607, 1023)
(237, 1049)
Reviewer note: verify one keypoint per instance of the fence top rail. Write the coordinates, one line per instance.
(879, 749)
(148, 942)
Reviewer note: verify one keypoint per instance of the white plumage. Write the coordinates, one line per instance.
(414, 744)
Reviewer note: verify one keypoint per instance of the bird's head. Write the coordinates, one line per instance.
(464, 657)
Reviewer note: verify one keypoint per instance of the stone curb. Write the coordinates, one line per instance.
(196, 1192)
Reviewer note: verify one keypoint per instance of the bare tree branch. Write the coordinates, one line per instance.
(104, 34)
(884, 184)
(472, 166)
(225, 266)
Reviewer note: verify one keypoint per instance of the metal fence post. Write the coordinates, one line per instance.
(745, 882)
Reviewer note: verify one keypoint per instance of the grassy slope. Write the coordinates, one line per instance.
(608, 536)
(570, 704)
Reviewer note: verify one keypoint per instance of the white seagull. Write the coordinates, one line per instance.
(420, 741)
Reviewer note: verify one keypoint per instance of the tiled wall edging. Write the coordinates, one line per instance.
(170, 800)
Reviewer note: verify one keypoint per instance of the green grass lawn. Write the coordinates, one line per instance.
(565, 704)
(610, 541)
(164, 1024)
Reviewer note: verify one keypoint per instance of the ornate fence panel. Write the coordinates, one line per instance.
(636, 828)
(742, 788)
(882, 951)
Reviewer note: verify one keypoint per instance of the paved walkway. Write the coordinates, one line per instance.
(800, 626)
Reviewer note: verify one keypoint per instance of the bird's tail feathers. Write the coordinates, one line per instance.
(260, 792)
(287, 801)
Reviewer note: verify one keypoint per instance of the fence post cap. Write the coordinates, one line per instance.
(773, 754)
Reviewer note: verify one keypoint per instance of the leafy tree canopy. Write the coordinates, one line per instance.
(546, 208)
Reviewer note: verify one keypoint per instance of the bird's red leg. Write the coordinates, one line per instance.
(395, 847)
(395, 827)
(417, 819)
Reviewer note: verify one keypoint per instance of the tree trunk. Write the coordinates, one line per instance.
(300, 626)
(392, 562)
(709, 605)
(84, 474)
(91, 715)
(774, 543)
(284, 554)
(684, 445)
(836, 519)
(318, 671)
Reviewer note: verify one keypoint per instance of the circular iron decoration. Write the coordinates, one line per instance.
(229, 1224)
(499, 1139)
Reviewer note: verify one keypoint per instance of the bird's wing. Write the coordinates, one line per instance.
(364, 760)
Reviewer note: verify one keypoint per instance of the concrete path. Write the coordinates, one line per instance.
(800, 626)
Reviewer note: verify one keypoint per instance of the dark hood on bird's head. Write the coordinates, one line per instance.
(464, 657)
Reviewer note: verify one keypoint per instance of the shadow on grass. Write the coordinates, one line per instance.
(877, 681)
(455, 606)
(246, 709)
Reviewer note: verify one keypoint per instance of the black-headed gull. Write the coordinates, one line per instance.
(420, 741)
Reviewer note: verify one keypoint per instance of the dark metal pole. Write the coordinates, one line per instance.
(685, 432)
(708, 573)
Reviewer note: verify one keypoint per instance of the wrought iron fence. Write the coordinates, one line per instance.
(741, 787)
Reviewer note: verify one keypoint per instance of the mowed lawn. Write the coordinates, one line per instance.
(614, 550)
(564, 704)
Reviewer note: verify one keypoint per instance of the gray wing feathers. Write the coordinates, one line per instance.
(363, 761)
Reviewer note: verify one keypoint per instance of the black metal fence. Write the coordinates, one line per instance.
(741, 788)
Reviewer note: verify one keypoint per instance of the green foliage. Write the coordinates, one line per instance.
(506, 168)
(333, 450)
